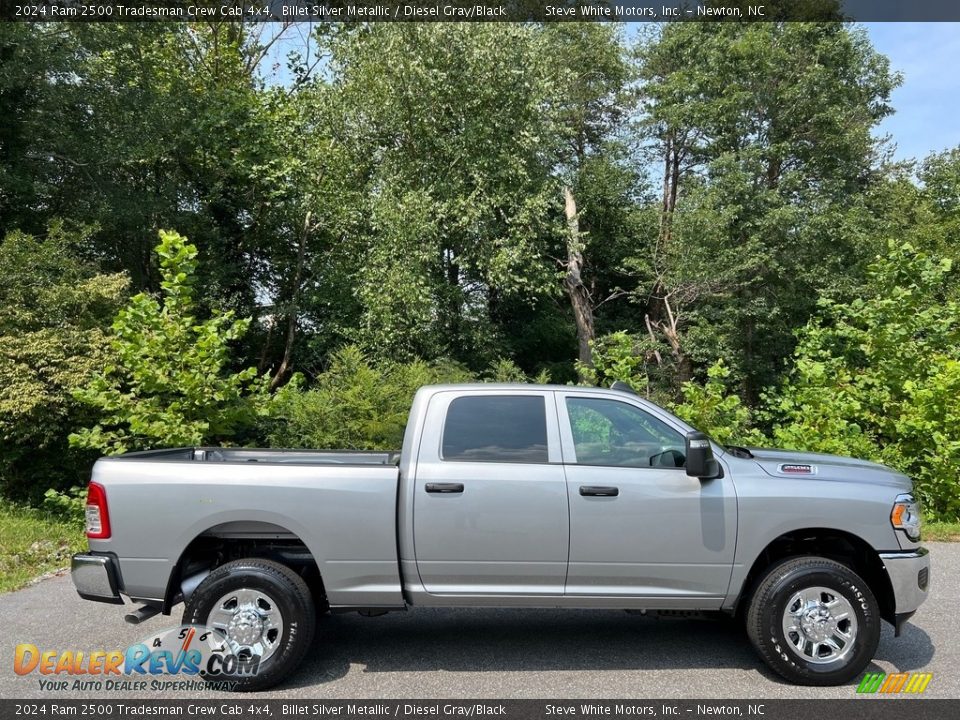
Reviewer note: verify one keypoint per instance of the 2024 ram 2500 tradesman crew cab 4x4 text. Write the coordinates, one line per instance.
(513, 496)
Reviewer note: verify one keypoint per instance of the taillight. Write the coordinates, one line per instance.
(98, 519)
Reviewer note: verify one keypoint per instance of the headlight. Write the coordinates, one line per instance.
(906, 516)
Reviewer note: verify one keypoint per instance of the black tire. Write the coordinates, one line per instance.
(766, 612)
(293, 600)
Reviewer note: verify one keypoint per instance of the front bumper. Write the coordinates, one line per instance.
(909, 573)
(95, 578)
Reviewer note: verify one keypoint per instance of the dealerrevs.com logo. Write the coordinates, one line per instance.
(194, 655)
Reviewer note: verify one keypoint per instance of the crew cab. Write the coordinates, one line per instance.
(505, 495)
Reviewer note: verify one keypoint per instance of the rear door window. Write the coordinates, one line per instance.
(496, 428)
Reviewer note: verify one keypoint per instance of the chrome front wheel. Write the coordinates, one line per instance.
(819, 625)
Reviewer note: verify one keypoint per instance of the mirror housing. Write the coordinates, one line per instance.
(700, 461)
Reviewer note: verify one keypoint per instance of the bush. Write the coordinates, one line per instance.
(712, 409)
(359, 405)
(622, 357)
(69, 506)
(879, 378)
(168, 383)
(354, 404)
(504, 370)
(55, 310)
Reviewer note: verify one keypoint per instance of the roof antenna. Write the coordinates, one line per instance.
(623, 387)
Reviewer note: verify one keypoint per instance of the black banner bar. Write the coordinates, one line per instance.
(250, 707)
(477, 10)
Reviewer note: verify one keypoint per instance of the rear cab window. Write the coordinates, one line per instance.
(496, 428)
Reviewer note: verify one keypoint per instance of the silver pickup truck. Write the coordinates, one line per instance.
(513, 496)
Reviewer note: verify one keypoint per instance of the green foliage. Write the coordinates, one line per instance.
(939, 531)
(627, 358)
(70, 505)
(878, 377)
(767, 130)
(615, 357)
(169, 381)
(353, 404)
(710, 407)
(408, 199)
(361, 404)
(713, 409)
(54, 309)
(452, 124)
(504, 370)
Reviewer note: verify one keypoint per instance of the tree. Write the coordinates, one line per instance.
(54, 313)
(448, 122)
(940, 175)
(309, 204)
(764, 133)
(591, 102)
(129, 129)
(354, 403)
(168, 383)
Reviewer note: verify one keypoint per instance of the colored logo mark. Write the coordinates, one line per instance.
(894, 683)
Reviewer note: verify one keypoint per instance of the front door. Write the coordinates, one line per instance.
(490, 505)
(639, 525)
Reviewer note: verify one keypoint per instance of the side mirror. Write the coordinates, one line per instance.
(700, 461)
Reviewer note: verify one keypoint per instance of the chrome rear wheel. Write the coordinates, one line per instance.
(266, 614)
(250, 620)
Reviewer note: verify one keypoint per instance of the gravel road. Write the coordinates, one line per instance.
(501, 653)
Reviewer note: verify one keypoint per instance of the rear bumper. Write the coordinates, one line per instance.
(95, 578)
(909, 573)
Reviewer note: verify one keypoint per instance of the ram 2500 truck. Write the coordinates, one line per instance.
(518, 496)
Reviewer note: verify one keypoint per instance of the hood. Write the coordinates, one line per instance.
(795, 464)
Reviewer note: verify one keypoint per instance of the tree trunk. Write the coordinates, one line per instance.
(284, 369)
(454, 322)
(671, 332)
(660, 315)
(573, 282)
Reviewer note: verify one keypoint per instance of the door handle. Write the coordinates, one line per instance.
(599, 491)
(445, 488)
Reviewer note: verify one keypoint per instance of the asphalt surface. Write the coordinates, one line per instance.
(500, 653)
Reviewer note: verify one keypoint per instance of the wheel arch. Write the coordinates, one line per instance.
(839, 545)
(234, 539)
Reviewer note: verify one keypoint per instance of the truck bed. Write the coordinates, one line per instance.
(341, 505)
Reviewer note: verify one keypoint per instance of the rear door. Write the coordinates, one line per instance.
(490, 504)
(639, 525)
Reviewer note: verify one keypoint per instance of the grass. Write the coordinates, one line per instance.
(34, 542)
(941, 531)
